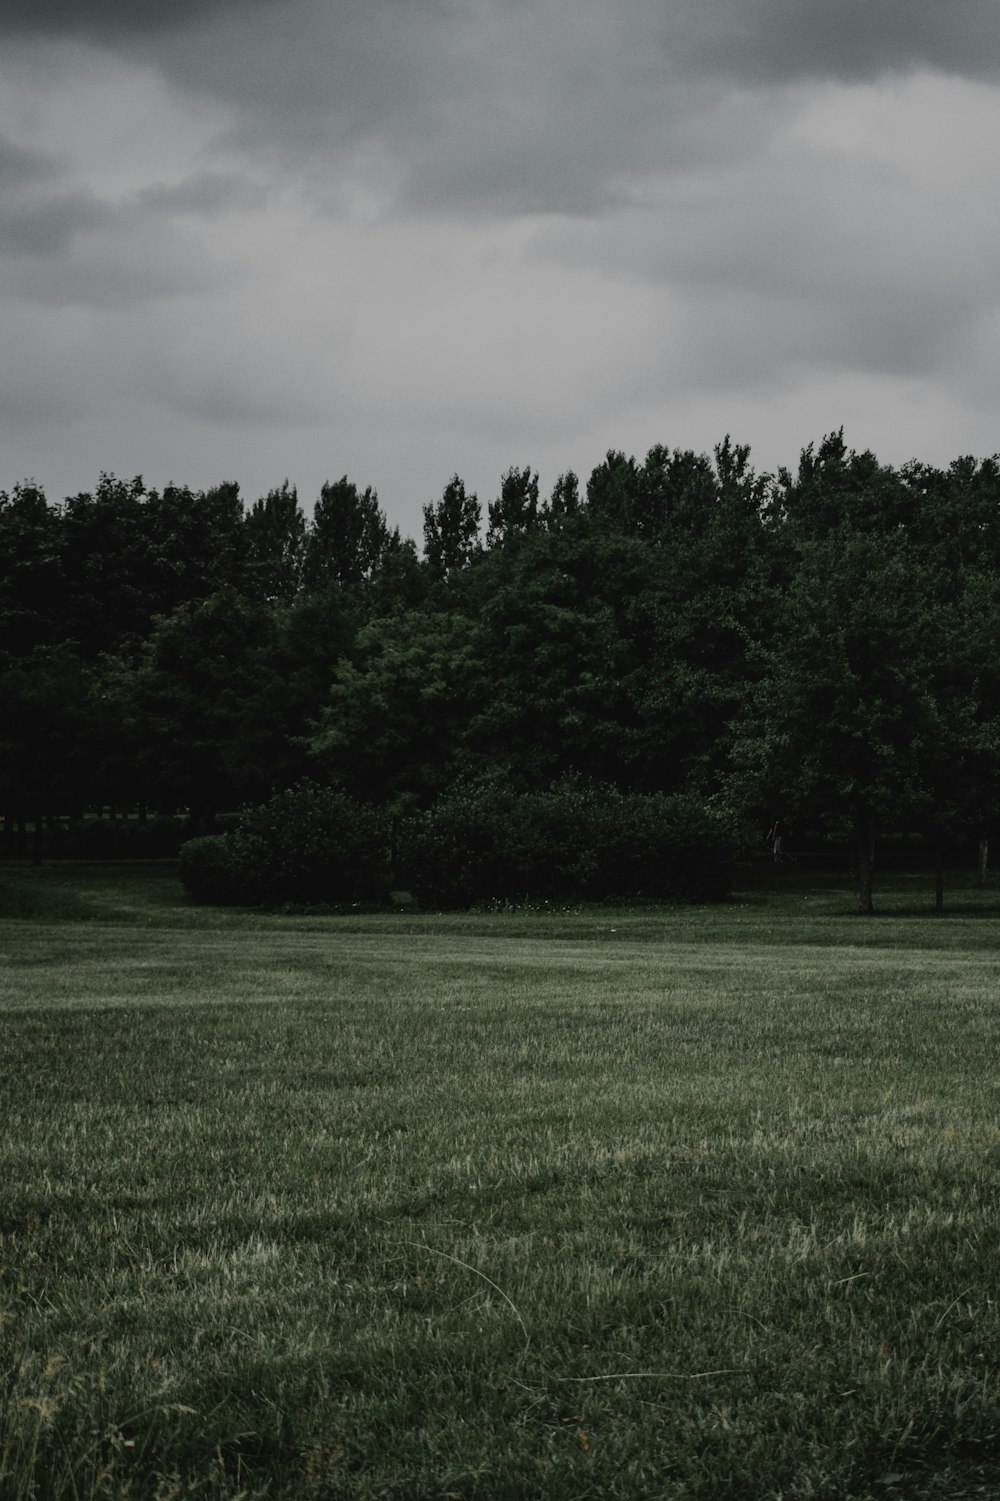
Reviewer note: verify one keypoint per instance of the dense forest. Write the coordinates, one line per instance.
(820, 646)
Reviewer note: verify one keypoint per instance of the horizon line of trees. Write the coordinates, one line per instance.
(820, 645)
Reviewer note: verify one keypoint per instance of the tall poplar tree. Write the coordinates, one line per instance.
(451, 529)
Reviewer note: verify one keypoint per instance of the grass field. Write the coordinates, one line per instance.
(690, 1203)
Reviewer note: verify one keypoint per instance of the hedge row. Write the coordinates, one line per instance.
(568, 843)
(479, 845)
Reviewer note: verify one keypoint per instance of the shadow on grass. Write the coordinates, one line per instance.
(823, 892)
(82, 891)
(794, 902)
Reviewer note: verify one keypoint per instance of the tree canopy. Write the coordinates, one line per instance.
(819, 644)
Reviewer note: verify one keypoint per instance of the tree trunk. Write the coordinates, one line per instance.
(864, 843)
(984, 858)
(939, 876)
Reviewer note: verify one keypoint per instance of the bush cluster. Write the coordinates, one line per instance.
(209, 873)
(308, 844)
(584, 842)
(480, 844)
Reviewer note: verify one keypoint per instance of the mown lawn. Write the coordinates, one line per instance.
(697, 1203)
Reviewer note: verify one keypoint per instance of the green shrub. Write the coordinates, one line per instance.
(457, 853)
(311, 844)
(209, 873)
(484, 843)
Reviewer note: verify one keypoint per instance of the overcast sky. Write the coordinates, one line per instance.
(251, 239)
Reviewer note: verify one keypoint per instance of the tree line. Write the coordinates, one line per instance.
(818, 645)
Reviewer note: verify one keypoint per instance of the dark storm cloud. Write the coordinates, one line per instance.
(762, 40)
(768, 41)
(103, 20)
(507, 107)
(465, 108)
(453, 228)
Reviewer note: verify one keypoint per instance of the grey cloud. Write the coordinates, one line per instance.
(320, 74)
(205, 195)
(741, 342)
(121, 271)
(227, 386)
(62, 245)
(46, 229)
(76, 251)
(740, 337)
(39, 213)
(588, 155)
(18, 166)
(831, 265)
(50, 382)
